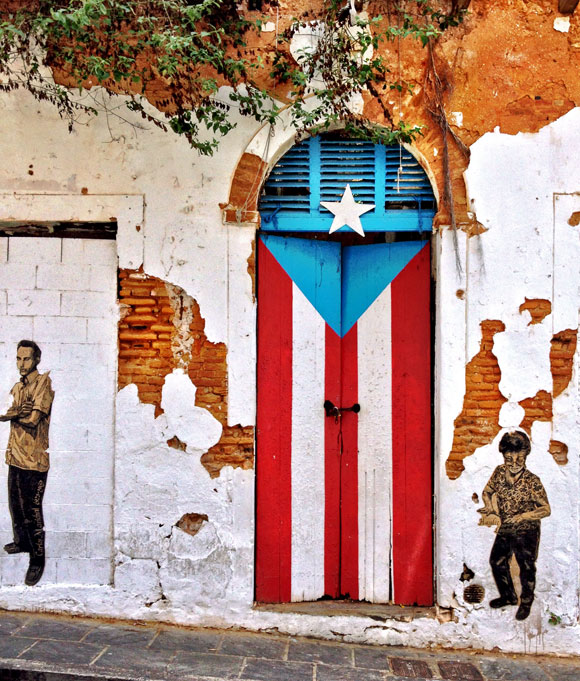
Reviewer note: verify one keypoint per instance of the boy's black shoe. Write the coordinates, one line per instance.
(12, 547)
(523, 611)
(501, 602)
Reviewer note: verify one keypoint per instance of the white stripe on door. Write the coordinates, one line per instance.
(308, 345)
(375, 450)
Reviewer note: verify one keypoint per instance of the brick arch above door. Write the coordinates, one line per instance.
(252, 172)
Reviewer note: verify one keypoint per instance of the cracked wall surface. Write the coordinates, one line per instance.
(162, 329)
(507, 291)
(519, 273)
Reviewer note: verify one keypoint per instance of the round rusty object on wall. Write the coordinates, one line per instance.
(474, 593)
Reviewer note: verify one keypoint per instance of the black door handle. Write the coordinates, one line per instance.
(332, 410)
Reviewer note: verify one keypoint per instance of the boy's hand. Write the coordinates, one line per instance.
(488, 517)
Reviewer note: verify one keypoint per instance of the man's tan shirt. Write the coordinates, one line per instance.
(28, 445)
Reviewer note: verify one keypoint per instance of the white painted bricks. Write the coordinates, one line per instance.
(50, 290)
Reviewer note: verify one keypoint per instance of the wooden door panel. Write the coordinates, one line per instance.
(324, 511)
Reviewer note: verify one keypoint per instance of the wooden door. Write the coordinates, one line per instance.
(343, 498)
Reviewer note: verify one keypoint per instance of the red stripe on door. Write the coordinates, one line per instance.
(332, 467)
(349, 468)
(274, 432)
(411, 413)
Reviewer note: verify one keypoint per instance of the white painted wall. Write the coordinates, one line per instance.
(62, 294)
(173, 196)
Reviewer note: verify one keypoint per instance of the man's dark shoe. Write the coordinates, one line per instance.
(12, 547)
(501, 602)
(34, 573)
(523, 611)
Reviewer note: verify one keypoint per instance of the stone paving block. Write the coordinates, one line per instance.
(409, 668)
(190, 665)
(153, 663)
(273, 670)
(10, 623)
(139, 637)
(462, 671)
(11, 646)
(253, 646)
(561, 672)
(194, 641)
(320, 652)
(512, 670)
(55, 629)
(54, 652)
(371, 658)
(329, 672)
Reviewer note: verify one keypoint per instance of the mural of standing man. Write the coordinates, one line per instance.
(27, 457)
(515, 500)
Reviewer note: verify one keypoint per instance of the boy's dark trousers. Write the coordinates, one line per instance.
(25, 493)
(523, 544)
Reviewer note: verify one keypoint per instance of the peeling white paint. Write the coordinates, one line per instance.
(562, 24)
(522, 188)
(193, 425)
(511, 415)
(456, 118)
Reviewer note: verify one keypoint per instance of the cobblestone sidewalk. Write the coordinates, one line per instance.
(50, 648)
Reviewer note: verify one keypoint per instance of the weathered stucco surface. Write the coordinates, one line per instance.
(506, 304)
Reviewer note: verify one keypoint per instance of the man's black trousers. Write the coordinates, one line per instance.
(25, 493)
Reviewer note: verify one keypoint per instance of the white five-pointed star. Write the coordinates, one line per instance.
(347, 212)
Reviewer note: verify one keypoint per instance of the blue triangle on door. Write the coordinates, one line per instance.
(341, 283)
(367, 271)
(314, 266)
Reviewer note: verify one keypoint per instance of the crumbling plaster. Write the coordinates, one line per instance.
(164, 573)
(523, 189)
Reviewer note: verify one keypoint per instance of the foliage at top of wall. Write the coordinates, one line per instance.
(178, 53)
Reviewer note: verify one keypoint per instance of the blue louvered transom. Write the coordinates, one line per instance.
(319, 169)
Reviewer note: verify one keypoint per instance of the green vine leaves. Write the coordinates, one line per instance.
(187, 50)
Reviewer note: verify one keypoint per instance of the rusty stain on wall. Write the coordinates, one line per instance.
(539, 309)
(559, 450)
(162, 329)
(574, 219)
(477, 424)
(562, 349)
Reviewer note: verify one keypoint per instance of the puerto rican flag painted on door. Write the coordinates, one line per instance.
(344, 504)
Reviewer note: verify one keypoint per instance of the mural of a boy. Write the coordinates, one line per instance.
(27, 457)
(515, 500)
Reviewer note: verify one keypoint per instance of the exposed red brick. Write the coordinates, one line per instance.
(559, 450)
(477, 424)
(252, 269)
(562, 349)
(176, 443)
(539, 309)
(537, 408)
(245, 189)
(191, 522)
(149, 349)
